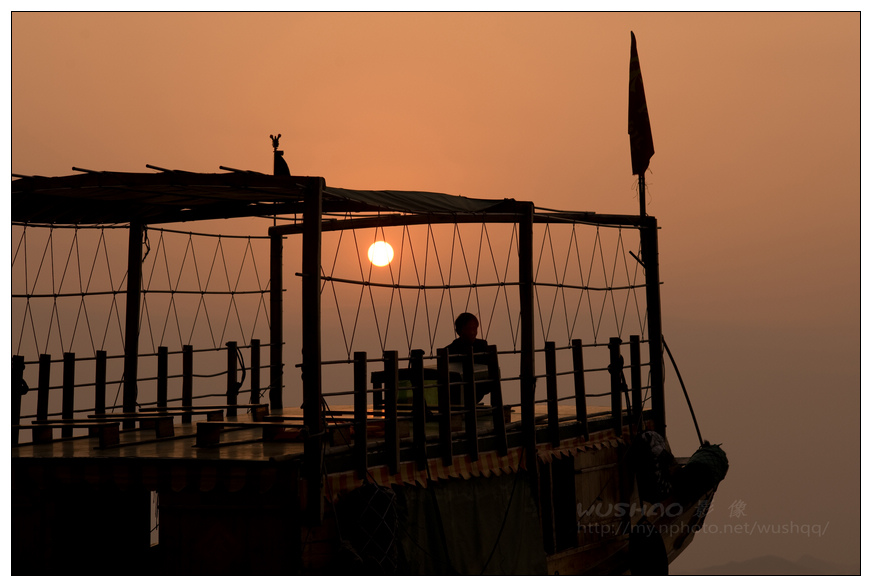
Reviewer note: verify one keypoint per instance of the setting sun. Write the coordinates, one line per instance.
(380, 253)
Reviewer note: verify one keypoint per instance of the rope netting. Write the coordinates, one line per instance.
(587, 285)
(69, 291)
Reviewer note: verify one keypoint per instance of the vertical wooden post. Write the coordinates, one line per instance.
(232, 383)
(162, 376)
(311, 309)
(392, 433)
(187, 381)
(68, 400)
(254, 359)
(528, 340)
(496, 393)
(100, 383)
(19, 388)
(469, 402)
(580, 391)
(419, 409)
(44, 384)
(636, 377)
(131, 331)
(650, 256)
(360, 409)
(443, 377)
(616, 364)
(275, 326)
(551, 389)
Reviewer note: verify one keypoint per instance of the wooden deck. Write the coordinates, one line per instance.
(246, 443)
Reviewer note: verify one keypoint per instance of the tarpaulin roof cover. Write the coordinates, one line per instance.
(178, 196)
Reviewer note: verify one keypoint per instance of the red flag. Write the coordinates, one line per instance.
(639, 127)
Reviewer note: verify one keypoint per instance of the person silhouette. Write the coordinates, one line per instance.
(466, 328)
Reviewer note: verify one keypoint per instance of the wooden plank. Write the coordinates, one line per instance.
(496, 393)
(419, 440)
(209, 433)
(580, 397)
(444, 379)
(360, 413)
(108, 433)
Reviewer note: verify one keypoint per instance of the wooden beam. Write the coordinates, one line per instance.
(131, 330)
(311, 338)
(528, 342)
(276, 320)
(651, 256)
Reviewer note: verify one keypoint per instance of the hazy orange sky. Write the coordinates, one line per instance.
(755, 181)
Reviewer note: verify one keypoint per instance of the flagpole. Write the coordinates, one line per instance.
(642, 194)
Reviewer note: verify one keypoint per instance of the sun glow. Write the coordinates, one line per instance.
(380, 253)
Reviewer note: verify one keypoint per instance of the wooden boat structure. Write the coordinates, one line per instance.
(379, 473)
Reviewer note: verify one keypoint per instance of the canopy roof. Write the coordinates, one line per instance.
(178, 196)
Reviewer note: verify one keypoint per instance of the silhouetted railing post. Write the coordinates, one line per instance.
(19, 388)
(100, 383)
(419, 409)
(68, 400)
(187, 381)
(276, 320)
(551, 391)
(44, 384)
(392, 433)
(254, 359)
(651, 259)
(496, 393)
(360, 410)
(131, 331)
(469, 402)
(616, 365)
(636, 377)
(162, 376)
(580, 397)
(443, 378)
(528, 340)
(232, 384)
